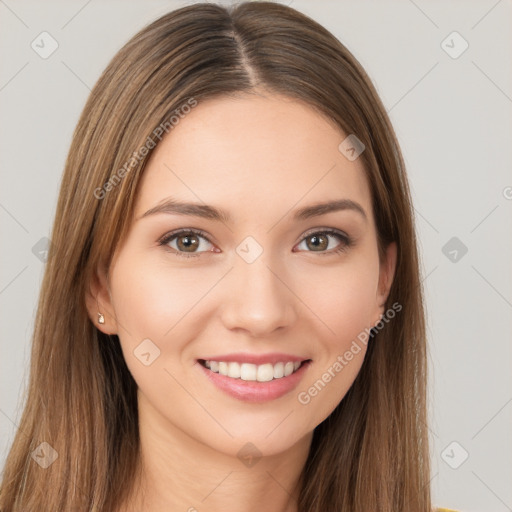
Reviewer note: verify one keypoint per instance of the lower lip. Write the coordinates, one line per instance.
(253, 391)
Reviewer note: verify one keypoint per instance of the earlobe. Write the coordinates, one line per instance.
(99, 303)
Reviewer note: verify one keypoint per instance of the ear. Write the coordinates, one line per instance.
(99, 301)
(386, 275)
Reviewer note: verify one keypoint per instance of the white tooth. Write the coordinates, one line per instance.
(248, 371)
(223, 368)
(265, 372)
(288, 369)
(278, 370)
(234, 370)
(251, 372)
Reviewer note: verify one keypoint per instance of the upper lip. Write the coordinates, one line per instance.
(256, 359)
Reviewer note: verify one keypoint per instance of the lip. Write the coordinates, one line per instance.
(272, 358)
(253, 391)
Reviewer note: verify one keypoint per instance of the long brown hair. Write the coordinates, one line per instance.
(372, 452)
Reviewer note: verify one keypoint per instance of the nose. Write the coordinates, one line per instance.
(258, 298)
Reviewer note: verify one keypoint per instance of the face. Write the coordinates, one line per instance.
(249, 278)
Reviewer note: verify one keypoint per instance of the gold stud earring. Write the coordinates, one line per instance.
(101, 318)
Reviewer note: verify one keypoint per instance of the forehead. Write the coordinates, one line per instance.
(253, 155)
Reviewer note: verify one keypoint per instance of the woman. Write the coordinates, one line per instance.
(231, 314)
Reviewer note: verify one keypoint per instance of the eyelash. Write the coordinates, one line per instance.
(345, 240)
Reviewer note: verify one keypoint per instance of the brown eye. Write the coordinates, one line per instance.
(187, 242)
(317, 242)
(322, 242)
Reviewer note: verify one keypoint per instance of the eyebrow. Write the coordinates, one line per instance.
(174, 207)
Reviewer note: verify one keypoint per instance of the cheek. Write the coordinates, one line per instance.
(151, 300)
(154, 301)
(344, 300)
(343, 297)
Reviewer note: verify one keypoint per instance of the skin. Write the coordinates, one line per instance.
(259, 157)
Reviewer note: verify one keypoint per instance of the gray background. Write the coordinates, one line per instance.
(453, 119)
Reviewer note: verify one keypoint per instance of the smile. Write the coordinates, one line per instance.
(253, 372)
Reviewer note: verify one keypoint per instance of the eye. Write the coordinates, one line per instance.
(186, 242)
(192, 242)
(321, 241)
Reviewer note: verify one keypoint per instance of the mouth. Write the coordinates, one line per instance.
(253, 372)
